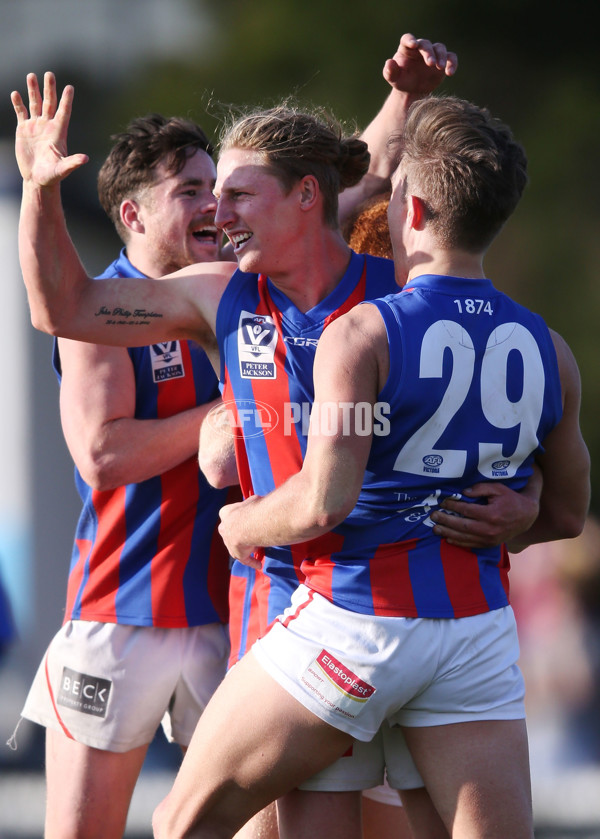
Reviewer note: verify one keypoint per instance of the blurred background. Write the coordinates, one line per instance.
(534, 65)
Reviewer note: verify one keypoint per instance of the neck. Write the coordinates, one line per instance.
(451, 263)
(146, 263)
(314, 272)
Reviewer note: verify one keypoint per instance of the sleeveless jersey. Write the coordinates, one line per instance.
(267, 351)
(473, 390)
(149, 554)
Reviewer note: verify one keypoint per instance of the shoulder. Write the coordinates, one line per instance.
(354, 348)
(361, 327)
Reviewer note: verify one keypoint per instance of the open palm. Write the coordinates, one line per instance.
(41, 137)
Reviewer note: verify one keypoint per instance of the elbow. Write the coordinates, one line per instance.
(217, 479)
(571, 517)
(566, 523)
(44, 322)
(219, 475)
(570, 525)
(56, 315)
(323, 517)
(101, 474)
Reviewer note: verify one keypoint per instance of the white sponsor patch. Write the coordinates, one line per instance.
(167, 361)
(81, 692)
(336, 686)
(257, 339)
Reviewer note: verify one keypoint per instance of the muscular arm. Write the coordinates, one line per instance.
(417, 69)
(554, 503)
(63, 300)
(324, 492)
(97, 405)
(565, 465)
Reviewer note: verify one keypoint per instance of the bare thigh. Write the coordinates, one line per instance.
(477, 774)
(384, 821)
(261, 826)
(306, 814)
(253, 743)
(421, 816)
(88, 790)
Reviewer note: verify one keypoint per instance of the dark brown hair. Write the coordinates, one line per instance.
(131, 163)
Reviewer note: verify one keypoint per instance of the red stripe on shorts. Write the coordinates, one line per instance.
(56, 711)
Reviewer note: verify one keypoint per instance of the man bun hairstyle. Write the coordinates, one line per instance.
(296, 143)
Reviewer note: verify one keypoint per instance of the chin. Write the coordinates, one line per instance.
(247, 262)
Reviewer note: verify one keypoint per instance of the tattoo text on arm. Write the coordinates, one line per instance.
(119, 316)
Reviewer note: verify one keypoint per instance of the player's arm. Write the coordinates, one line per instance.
(109, 445)
(63, 300)
(565, 465)
(555, 501)
(216, 452)
(417, 69)
(323, 493)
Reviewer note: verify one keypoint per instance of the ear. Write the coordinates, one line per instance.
(416, 215)
(309, 192)
(130, 215)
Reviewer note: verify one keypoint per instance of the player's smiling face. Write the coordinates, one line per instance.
(179, 214)
(254, 211)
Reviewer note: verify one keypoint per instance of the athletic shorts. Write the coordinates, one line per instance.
(355, 671)
(109, 685)
(366, 766)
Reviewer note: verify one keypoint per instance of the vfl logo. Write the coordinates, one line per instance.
(84, 693)
(257, 339)
(167, 361)
(432, 462)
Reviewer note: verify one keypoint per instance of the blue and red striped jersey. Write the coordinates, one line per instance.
(149, 554)
(267, 349)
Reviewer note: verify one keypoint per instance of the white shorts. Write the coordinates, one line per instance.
(109, 686)
(367, 765)
(354, 671)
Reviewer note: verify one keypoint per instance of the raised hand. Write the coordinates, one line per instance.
(419, 66)
(41, 137)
